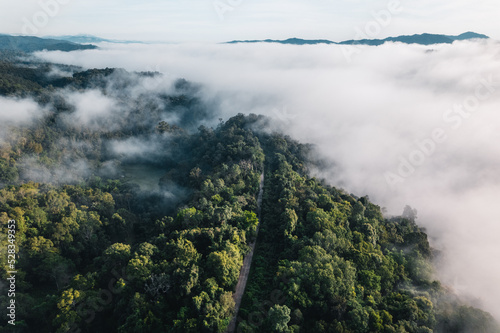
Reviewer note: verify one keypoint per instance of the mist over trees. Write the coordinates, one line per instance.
(98, 253)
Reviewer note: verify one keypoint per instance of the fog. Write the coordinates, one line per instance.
(15, 112)
(93, 110)
(405, 124)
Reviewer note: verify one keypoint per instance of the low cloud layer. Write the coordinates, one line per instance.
(17, 112)
(14, 111)
(92, 109)
(405, 124)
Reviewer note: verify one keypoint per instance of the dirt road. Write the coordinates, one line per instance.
(247, 263)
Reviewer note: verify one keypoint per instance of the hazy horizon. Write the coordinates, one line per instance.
(221, 20)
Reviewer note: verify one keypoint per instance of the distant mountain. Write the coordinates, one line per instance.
(293, 41)
(469, 35)
(32, 44)
(87, 39)
(422, 39)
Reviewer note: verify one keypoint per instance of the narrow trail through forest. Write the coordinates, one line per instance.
(247, 263)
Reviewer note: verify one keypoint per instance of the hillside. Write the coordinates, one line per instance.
(30, 44)
(100, 253)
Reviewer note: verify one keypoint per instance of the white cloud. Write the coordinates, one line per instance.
(17, 112)
(92, 110)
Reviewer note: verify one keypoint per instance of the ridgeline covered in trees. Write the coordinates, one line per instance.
(98, 253)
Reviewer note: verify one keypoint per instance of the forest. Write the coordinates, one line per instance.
(99, 252)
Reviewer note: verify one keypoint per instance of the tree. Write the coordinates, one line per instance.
(289, 221)
(184, 267)
(8, 173)
(56, 202)
(225, 265)
(278, 317)
(114, 257)
(409, 213)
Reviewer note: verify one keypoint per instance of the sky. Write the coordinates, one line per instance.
(223, 20)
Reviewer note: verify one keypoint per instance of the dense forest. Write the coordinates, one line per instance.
(97, 251)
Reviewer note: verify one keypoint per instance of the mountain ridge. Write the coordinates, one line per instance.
(421, 39)
(85, 39)
(30, 44)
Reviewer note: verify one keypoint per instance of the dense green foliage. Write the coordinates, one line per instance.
(96, 253)
(327, 261)
(91, 259)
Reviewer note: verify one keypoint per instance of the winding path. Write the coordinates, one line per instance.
(247, 263)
